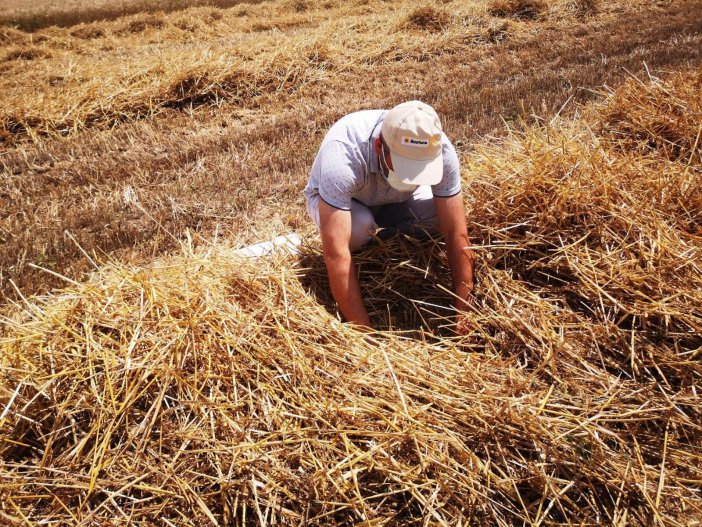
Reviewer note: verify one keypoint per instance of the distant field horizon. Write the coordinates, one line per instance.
(45, 13)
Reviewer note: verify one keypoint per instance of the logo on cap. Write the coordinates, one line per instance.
(413, 141)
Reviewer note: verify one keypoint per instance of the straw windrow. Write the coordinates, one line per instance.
(210, 390)
(60, 81)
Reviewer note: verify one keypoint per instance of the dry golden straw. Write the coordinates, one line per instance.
(59, 81)
(210, 390)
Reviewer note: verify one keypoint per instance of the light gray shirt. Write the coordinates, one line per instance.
(346, 166)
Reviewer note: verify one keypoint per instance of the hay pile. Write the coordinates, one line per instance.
(665, 119)
(211, 390)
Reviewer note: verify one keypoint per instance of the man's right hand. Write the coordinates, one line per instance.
(343, 280)
(464, 325)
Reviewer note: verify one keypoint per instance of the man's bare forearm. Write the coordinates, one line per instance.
(461, 261)
(346, 289)
(452, 221)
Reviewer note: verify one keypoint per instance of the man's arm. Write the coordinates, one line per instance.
(336, 235)
(452, 222)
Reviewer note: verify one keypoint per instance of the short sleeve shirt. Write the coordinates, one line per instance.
(346, 166)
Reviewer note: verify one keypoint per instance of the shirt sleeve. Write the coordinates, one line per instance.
(339, 175)
(450, 183)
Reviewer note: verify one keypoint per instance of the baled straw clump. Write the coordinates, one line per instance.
(211, 390)
(298, 6)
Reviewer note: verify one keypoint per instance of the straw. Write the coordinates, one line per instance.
(211, 388)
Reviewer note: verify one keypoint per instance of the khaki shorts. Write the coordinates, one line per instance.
(416, 217)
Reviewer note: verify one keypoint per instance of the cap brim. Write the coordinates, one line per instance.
(418, 172)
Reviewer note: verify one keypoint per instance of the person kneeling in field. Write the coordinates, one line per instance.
(395, 170)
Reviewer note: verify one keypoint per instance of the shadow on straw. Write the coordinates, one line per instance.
(404, 284)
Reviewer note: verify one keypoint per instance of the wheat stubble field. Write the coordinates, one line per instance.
(150, 376)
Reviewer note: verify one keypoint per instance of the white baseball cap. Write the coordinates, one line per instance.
(412, 131)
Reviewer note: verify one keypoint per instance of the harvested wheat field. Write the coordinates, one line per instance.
(152, 375)
(124, 134)
(207, 389)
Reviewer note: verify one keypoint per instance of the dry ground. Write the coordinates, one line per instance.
(121, 135)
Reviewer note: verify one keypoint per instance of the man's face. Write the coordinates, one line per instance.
(383, 153)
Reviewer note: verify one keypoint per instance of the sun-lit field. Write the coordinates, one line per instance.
(38, 14)
(118, 133)
(150, 375)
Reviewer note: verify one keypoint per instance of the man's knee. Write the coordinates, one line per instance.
(362, 226)
(362, 222)
(421, 206)
(425, 217)
(421, 215)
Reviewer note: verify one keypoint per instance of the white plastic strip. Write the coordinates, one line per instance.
(287, 243)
